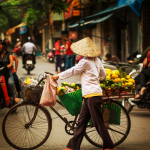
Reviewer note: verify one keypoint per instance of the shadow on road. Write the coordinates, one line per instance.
(140, 113)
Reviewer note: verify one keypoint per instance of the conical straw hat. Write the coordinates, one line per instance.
(85, 47)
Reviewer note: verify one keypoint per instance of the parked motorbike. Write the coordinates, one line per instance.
(51, 56)
(5, 100)
(126, 67)
(29, 65)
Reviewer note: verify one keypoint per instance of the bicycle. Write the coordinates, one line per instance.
(30, 125)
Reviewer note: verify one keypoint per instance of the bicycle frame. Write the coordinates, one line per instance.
(64, 119)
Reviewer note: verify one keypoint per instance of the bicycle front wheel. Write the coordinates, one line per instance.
(18, 135)
(118, 128)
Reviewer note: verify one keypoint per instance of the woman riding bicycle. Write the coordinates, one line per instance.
(91, 71)
(6, 59)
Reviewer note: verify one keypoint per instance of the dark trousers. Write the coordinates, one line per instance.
(142, 78)
(58, 62)
(68, 61)
(90, 109)
(16, 82)
(74, 59)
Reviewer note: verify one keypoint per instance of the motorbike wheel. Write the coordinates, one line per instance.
(127, 105)
(28, 69)
(51, 59)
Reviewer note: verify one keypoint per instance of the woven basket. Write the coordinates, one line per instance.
(31, 92)
(72, 102)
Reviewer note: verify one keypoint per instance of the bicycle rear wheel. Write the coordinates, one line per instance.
(118, 132)
(18, 135)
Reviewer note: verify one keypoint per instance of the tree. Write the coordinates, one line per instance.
(34, 10)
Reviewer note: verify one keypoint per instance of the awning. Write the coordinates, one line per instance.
(83, 24)
(135, 5)
(12, 30)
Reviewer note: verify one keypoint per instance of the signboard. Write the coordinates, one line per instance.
(12, 30)
(68, 14)
(71, 12)
(73, 35)
(23, 29)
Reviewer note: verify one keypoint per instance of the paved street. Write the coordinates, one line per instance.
(138, 139)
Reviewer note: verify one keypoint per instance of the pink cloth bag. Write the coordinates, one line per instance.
(48, 97)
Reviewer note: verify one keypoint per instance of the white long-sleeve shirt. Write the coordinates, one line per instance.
(28, 48)
(91, 71)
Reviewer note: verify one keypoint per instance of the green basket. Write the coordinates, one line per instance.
(115, 113)
(72, 102)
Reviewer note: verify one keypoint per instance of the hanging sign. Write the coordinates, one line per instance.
(73, 35)
(23, 30)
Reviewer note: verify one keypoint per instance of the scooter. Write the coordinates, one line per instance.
(145, 102)
(5, 100)
(126, 67)
(29, 65)
(51, 56)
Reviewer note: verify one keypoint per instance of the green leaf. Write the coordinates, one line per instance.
(120, 69)
(124, 74)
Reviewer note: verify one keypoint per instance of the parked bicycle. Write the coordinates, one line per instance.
(30, 125)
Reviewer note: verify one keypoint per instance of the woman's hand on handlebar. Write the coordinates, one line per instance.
(55, 77)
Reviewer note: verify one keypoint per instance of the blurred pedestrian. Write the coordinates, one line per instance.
(14, 71)
(69, 55)
(58, 56)
(113, 58)
(18, 44)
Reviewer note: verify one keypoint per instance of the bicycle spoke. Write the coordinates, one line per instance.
(119, 126)
(22, 136)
